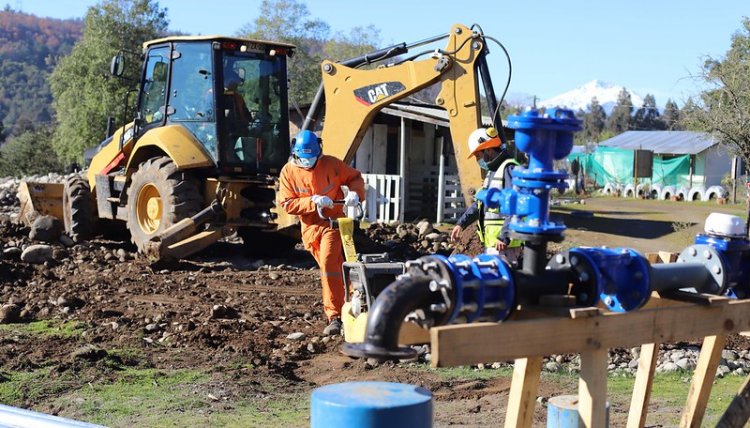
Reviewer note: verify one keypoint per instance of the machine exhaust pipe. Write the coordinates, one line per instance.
(406, 294)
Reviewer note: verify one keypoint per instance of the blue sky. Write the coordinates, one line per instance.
(647, 46)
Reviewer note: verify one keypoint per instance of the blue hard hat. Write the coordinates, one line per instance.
(306, 145)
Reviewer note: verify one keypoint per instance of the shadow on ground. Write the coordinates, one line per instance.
(631, 227)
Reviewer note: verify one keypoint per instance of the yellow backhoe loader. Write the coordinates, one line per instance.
(202, 157)
(200, 160)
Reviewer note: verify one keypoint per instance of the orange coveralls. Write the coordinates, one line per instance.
(297, 186)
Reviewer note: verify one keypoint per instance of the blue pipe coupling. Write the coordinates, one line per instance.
(622, 275)
(471, 289)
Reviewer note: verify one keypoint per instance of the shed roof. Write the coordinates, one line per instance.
(662, 142)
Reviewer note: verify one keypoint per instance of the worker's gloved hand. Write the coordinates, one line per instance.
(322, 201)
(351, 199)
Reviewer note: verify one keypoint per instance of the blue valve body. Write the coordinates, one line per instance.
(545, 138)
(736, 255)
(622, 276)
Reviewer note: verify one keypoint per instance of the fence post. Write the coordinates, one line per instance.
(441, 181)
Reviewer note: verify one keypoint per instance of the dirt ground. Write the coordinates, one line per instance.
(232, 315)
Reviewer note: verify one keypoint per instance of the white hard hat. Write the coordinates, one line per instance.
(483, 139)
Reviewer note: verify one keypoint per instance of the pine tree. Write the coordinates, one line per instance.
(84, 96)
(594, 121)
(621, 118)
(671, 116)
(647, 117)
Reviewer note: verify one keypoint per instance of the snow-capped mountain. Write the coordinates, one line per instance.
(580, 98)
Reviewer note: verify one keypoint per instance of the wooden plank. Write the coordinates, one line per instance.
(644, 378)
(667, 257)
(703, 378)
(592, 388)
(653, 258)
(584, 312)
(456, 345)
(523, 390)
(698, 298)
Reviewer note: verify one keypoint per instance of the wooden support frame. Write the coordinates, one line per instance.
(591, 335)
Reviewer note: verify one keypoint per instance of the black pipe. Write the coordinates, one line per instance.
(535, 257)
(489, 92)
(673, 276)
(386, 315)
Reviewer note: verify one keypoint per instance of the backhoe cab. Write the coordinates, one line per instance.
(209, 138)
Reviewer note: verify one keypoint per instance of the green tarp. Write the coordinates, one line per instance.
(613, 165)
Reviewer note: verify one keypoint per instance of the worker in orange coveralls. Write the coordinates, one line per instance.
(309, 181)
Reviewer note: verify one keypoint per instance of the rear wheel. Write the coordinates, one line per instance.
(79, 213)
(159, 196)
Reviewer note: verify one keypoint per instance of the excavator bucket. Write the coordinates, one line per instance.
(40, 199)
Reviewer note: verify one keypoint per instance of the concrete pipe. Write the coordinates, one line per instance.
(714, 192)
(666, 193)
(696, 193)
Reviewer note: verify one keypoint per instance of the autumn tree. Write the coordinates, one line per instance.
(84, 94)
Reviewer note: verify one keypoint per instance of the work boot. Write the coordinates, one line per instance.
(334, 327)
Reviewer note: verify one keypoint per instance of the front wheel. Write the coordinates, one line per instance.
(79, 211)
(159, 196)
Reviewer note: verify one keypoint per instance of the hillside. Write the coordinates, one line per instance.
(29, 49)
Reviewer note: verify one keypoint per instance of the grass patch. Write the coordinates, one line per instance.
(158, 398)
(669, 392)
(33, 387)
(49, 328)
(466, 372)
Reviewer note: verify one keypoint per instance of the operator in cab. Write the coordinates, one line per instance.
(492, 226)
(312, 181)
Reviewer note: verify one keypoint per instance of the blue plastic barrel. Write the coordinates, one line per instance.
(370, 405)
(562, 412)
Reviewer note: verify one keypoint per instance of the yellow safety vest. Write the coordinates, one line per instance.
(491, 221)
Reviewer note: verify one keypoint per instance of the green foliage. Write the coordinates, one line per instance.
(647, 117)
(29, 153)
(84, 93)
(671, 117)
(594, 121)
(724, 108)
(290, 21)
(29, 48)
(620, 119)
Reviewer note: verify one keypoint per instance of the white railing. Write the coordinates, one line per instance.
(453, 200)
(383, 201)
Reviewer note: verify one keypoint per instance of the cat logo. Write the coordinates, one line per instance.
(372, 94)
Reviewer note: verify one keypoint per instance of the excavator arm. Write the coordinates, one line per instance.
(354, 96)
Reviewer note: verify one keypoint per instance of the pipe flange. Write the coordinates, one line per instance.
(435, 267)
(714, 263)
(583, 276)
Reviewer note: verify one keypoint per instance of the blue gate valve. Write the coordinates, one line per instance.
(545, 138)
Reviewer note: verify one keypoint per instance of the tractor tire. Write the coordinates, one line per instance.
(79, 211)
(159, 196)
